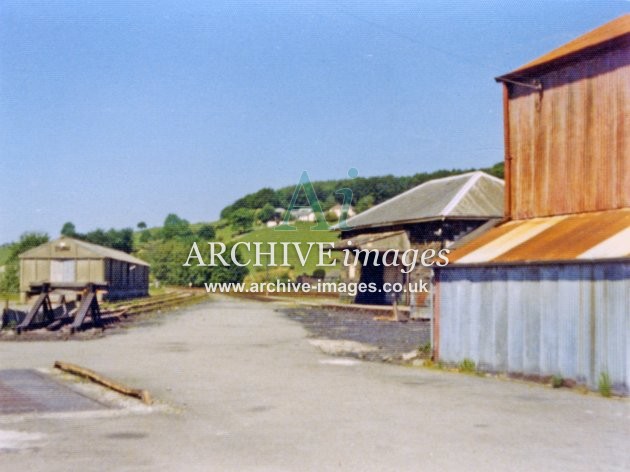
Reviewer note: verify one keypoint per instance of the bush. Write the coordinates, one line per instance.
(242, 220)
(319, 274)
(10, 279)
(206, 232)
(266, 213)
(176, 227)
(68, 229)
(167, 259)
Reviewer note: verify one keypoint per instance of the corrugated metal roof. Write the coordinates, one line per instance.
(471, 195)
(586, 236)
(616, 29)
(100, 252)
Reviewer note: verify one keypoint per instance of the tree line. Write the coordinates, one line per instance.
(367, 191)
(120, 239)
(165, 248)
(10, 277)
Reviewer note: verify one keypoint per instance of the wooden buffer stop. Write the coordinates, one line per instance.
(42, 314)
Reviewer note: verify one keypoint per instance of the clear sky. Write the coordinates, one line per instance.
(116, 112)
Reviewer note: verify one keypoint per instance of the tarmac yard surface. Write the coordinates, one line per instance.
(240, 387)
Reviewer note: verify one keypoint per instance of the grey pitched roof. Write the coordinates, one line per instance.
(472, 195)
(100, 252)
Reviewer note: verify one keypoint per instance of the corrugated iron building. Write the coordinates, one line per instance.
(546, 293)
(432, 215)
(68, 260)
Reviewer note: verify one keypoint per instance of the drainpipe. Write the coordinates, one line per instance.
(507, 202)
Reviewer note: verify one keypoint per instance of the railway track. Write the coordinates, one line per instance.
(112, 312)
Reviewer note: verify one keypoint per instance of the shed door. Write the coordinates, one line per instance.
(62, 270)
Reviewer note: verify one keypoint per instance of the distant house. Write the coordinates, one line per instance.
(338, 209)
(546, 293)
(303, 214)
(430, 216)
(71, 261)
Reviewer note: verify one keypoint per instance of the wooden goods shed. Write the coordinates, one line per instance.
(430, 216)
(70, 260)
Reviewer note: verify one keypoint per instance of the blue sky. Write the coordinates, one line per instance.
(113, 113)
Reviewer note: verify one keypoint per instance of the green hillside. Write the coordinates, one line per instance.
(303, 235)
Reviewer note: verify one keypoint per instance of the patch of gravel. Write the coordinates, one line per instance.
(357, 334)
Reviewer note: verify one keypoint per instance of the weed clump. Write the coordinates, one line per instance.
(605, 385)
(467, 366)
(557, 381)
(424, 349)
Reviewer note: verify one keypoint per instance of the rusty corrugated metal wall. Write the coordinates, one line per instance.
(570, 145)
(571, 320)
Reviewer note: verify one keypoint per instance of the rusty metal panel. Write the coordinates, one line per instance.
(569, 144)
(571, 320)
(585, 236)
